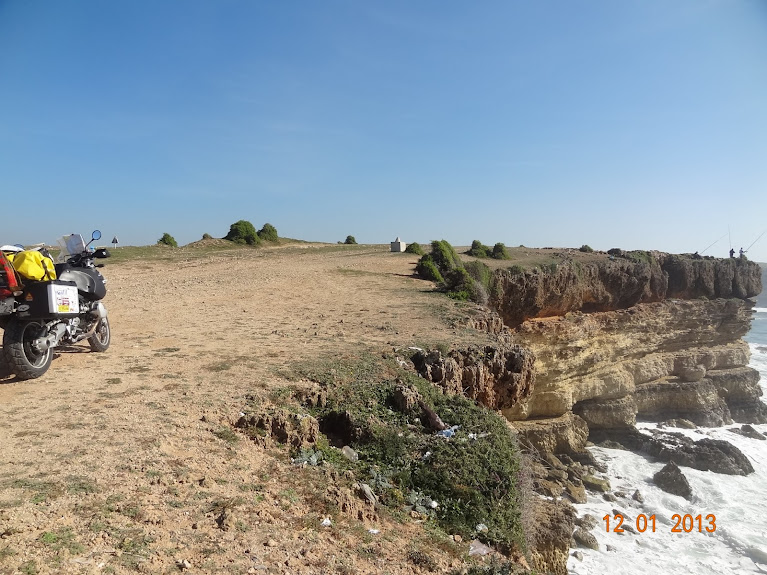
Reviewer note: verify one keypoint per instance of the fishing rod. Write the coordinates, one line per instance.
(704, 251)
(756, 240)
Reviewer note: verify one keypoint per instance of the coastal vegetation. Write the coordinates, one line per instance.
(471, 281)
(479, 250)
(414, 248)
(242, 232)
(167, 240)
(460, 478)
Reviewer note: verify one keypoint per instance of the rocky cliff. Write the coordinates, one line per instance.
(619, 283)
(601, 344)
(620, 339)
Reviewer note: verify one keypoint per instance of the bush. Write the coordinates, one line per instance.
(427, 269)
(268, 233)
(516, 269)
(479, 250)
(480, 272)
(242, 232)
(414, 248)
(445, 257)
(350, 240)
(499, 252)
(472, 481)
(586, 249)
(207, 237)
(168, 240)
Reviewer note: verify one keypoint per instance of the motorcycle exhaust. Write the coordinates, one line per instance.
(43, 344)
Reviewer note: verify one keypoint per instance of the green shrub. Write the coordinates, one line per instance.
(459, 284)
(414, 248)
(472, 480)
(639, 256)
(586, 249)
(207, 237)
(268, 233)
(500, 252)
(350, 240)
(242, 232)
(168, 240)
(516, 269)
(427, 269)
(480, 272)
(479, 250)
(445, 257)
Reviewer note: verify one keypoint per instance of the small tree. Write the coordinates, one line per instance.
(350, 240)
(168, 240)
(586, 248)
(207, 237)
(268, 233)
(242, 232)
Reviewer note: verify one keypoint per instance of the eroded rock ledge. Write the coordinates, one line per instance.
(620, 283)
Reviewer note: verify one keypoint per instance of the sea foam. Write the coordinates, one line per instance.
(739, 543)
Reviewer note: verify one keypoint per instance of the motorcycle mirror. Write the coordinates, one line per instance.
(96, 235)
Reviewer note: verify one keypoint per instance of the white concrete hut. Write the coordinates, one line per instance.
(398, 245)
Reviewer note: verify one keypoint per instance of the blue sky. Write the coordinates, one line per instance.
(633, 124)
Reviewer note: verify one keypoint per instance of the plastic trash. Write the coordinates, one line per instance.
(448, 433)
(349, 453)
(374, 531)
(326, 522)
(481, 528)
(477, 548)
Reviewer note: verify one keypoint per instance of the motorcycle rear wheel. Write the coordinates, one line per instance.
(23, 360)
(102, 337)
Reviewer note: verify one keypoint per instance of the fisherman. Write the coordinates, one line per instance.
(742, 253)
(732, 252)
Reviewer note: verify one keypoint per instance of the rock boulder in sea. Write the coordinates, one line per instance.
(671, 480)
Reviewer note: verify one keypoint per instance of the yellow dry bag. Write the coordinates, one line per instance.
(33, 265)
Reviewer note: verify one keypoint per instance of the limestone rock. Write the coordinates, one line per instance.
(672, 480)
(565, 434)
(576, 492)
(748, 431)
(587, 522)
(607, 413)
(693, 373)
(496, 377)
(705, 454)
(620, 283)
(550, 534)
(595, 483)
(585, 539)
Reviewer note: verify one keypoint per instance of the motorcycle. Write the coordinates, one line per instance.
(38, 316)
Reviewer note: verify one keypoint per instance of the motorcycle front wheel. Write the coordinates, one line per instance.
(100, 339)
(24, 361)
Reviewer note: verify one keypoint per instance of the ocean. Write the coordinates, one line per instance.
(737, 545)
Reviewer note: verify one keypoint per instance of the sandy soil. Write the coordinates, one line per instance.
(124, 461)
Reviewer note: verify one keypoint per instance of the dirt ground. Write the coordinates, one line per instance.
(126, 461)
